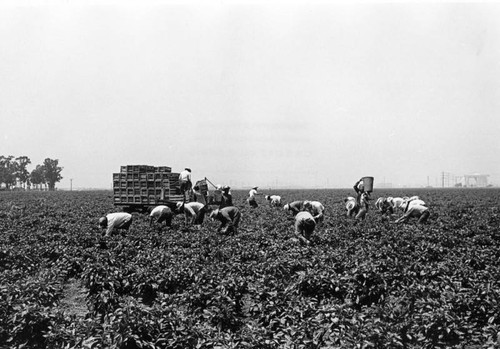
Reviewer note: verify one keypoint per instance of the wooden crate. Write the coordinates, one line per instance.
(175, 198)
(163, 169)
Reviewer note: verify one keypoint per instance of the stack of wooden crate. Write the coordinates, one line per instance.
(146, 185)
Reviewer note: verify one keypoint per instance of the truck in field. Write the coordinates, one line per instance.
(139, 187)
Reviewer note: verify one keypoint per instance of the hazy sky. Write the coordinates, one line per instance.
(287, 93)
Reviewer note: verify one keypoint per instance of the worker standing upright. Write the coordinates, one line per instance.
(185, 182)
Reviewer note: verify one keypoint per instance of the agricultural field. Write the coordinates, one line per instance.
(367, 285)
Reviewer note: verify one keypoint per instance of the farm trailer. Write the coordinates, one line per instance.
(139, 187)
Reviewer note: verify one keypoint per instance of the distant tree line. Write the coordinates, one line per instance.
(14, 173)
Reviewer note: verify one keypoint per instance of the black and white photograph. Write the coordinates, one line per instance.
(249, 174)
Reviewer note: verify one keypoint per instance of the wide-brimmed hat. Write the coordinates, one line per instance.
(188, 169)
(255, 188)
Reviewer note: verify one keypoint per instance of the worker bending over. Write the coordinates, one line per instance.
(317, 210)
(229, 217)
(304, 226)
(416, 211)
(194, 212)
(294, 207)
(274, 200)
(161, 214)
(117, 220)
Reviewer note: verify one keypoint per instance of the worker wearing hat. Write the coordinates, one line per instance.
(117, 220)
(185, 181)
(229, 217)
(251, 197)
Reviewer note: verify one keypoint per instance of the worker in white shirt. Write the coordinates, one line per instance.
(409, 202)
(395, 202)
(229, 217)
(304, 226)
(274, 200)
(416, 211)
(317, 210)
(252, 201)
(185, 181)
(117, 220)
(161, 214)
(194, 212)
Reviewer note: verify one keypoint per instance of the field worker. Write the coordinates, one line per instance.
(251, 197)
(229, 217)
(194, 212)
(198, 195)
(395, 202)
(408, 203)
(294, 207)
(359, 188)
(274, 200)
(161, 214)
(417, 211)
(304, 226)
(363, 207)
(227, 198)
(383, 206)
(351, 206)
(117, 220)
(317, 210)
(185, 180)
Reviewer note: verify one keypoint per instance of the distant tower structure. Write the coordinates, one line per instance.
(479, 180)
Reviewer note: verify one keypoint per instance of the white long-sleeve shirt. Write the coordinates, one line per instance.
(158, 211)
(117, 220)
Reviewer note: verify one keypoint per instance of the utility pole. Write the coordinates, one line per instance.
(71, 184)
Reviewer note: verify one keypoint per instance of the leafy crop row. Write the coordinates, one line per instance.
(369, 285)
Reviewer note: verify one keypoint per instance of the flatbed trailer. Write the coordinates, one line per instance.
(136, 188)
